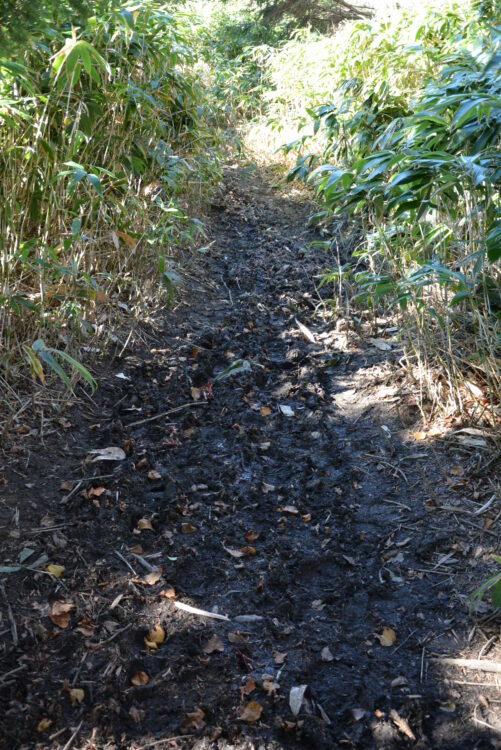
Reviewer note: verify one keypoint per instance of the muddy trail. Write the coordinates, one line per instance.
(330, 551)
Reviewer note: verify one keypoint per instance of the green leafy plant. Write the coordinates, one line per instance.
(491, 586)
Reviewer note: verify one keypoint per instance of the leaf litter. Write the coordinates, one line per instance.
(294, 537)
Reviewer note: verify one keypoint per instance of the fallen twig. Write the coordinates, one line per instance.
(166, 413)
(13, 626)
(201, 612)
(70, 741)
(481, 664)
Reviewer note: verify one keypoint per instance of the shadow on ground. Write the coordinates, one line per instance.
(291, 498)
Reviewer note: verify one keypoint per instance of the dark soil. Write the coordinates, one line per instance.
(292, 498)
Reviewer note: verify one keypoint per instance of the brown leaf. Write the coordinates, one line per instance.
(153, 577)
(251, 713)
(44, 724)
(215, 644)
(144, 524)
(265, 411)
(249, 687)
(86, 627)
(251, 536)
(195, 719)
(187, 528)
(60, 614)
(387, 638)
(153, 474)
(139, 678)
(168, 593)
(95, 492)
(279, 657)
(65, 486)
(136, 714)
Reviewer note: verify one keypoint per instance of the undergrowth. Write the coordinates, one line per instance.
(106, 155)
(403, 119)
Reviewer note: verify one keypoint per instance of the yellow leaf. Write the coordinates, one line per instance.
(139, 678)
(76, 696)
(387, 638)
(44, 724)
(155, 637)
(265, 411)
(56, 570)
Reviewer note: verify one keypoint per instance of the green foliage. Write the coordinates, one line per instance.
(411, 148)
(103, 145)
(490, 586)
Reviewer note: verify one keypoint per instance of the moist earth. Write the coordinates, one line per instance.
(289, 495)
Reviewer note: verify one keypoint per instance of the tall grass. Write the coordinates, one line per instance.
(104, 155)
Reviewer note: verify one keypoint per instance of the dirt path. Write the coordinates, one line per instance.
(291, 498)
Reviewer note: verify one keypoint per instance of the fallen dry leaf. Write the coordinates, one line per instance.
(108, 454)
(136, 714)
(296, 697)
(144, 524)
(279, 657)
(168, 593)
(233, 552)
(86, 627)
(44, 724)
(55, 570)
(214, 644)
(95, 492)
(248, 688)
(326, 654)
(251, 536)
(195, 719)
(76, 696)
(60, 614)
(265, 411)
(251, 713)
(139, 678)
(155, 637)
(270, 687)
(187, 528)
(289, 509)
(153, 475)
(387, 638)
(153, 577)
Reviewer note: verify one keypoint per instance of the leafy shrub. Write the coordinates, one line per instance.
(416, 159)
(102, 140)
